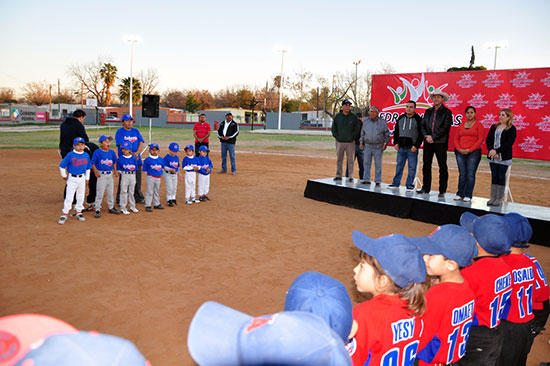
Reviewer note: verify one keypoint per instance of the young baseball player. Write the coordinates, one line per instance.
(171, 173)
(77, 164)
(491, 280)
(388, 326)
(203, 176)
(518, 326)
(153, 166)
(190, 165)
(450, 302)
(104, 165)
(127, 166)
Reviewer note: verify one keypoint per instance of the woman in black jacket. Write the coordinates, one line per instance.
(499, 142)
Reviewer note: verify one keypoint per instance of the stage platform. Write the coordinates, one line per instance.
(421, 207)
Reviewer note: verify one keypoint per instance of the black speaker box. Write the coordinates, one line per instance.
(150, 106)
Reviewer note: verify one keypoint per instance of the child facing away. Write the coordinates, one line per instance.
(450, 302)
(203, 176)
(104, 164)
(388, 326)
(171, 173)
(153, 165)
(190, 165)
(491, 280)
(77, 164)
(127, 166)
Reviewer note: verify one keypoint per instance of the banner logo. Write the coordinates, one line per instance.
(489, 119)
(15, 113)
(546, 80)
(535, 101)
(505, 101)
(519, 122)
(417, 90)
(521, 80)
(544, 126)
(477, 100)
(530, 144)
(453, 100)
(492, 80)
(466, 81)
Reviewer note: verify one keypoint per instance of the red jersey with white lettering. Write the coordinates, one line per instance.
(387, 334)
(523, 280)
(542, 291)
(447, 321)
(491, 280)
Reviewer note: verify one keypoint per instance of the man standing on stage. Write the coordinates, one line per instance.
(436, 126)
(345, 129)
(374, 139)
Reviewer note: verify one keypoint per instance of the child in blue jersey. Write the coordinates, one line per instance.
(190, 165)
(171, 173)
(77, 164)
(104, 165)
(153, 166)
(205, 168)
(127, 166)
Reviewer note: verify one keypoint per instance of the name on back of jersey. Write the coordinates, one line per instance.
(402, 330)
(523, 275)
(502, 283)
(463, 313)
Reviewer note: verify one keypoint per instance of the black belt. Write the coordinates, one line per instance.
(106, 172)
(172, 173)
(124, 172)
(77, 176)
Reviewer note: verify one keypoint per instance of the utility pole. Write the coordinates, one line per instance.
(50, 85)
(356, 63)
(253, 103)
(58, 99)
(281, 87)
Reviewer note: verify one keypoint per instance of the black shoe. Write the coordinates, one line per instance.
(377, 185)
(140, 201)
(441, 195)
(336, 179)
(170, 204)
(201, 199)
(206, 198)
(114, 211)
(89, 208)
(148, 209)
(350, 179)
(421, 191)
(159, 207)
(175, 202)
(97, 214)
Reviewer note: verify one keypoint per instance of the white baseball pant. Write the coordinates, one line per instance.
(105, 182)
(127, 187)
(152, 193)
(190, 182)
(204, 184)
(171, 181)
(75, 185)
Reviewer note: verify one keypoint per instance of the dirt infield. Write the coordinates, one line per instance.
(143, 276)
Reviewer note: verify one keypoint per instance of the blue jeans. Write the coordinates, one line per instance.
(231, 149)
(370, 153)
(409, 157)
(498, 173)
(467, 168)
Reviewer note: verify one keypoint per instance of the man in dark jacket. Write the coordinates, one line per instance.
(436, 126)
(407, 138)
(70, 129)
(227, 133)
(346, 128)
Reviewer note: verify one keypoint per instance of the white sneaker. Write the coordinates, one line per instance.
(196, 200)
(62, 219)
(134, 210)
(457, 198)
(189, 202)
(467, 199)
(125, 212)
(80, 217)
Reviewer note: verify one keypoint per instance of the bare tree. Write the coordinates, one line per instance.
(65, 96)
(149, 81)
(7, 95)
(173, 99)
(300, 86)
(37, 92)
(89, 76)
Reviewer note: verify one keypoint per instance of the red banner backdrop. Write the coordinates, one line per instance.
(525, 91)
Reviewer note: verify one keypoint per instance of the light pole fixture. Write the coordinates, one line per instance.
(281, 86)
(503, 44)
(133, 39)
(356, 63)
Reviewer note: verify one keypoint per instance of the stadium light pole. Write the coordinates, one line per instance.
(281, 86)
(356, 63)
(133, 39)
(502, 44)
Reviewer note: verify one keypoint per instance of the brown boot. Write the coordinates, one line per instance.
(500, 195)
(493, 195)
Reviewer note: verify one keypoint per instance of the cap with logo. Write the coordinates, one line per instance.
(127, 117)
(324, 296)
(77, 140)
(154, 146)
(104, 137)
(398, 256)
(346, 101)
(126, 145)
(190, 147)
(203, 148)
(174, 146)
(219, 335)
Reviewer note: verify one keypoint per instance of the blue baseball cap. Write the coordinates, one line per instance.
(126, 145)
(451, 241)
(77, 140)
(174, 146)
(219, 336)
(153, 145)
(190, 147)
(127, 117)
(491, 231)
(521, 229)
(203, 148)
(84, 348)
(324, 296)
(104, 137)
(398, 256)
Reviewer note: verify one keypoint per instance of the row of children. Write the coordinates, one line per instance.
(76, 168)
(464, 295)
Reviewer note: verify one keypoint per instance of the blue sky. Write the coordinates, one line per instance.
(212, 44)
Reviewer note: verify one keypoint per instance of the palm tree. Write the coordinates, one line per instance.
(108, 74)
(124, 91)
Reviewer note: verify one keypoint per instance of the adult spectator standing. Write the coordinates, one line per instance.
(374, 139)
(128, 133)
(201, 132)
(227, 133)
(436, 126)
(358, 151)
(407, 138)
(345, 129)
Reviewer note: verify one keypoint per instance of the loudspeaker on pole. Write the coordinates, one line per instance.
(150, 106)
